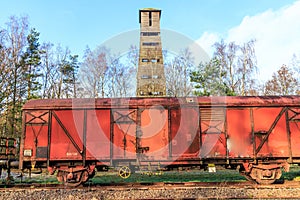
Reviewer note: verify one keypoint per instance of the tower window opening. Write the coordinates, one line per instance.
(150, 18)
(150, 43)
(149, 33)
(145, 60)
(145, 77)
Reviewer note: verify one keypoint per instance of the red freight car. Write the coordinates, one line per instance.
(258, 135)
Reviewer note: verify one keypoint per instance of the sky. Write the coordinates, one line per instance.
(77, 24)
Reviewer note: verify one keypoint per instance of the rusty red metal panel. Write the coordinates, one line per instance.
(294, 126)
(36, 134)
(98, 134)
(213, 132)
(184, 132)
(67, 125)
(277, 143)
(154, 133)
(175, 125)
(124, 133)
(239, 133)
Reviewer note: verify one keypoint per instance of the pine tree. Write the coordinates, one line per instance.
(31, 60)
(209, 80)
(69, 69)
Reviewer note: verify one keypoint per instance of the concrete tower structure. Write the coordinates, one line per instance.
(151, 79)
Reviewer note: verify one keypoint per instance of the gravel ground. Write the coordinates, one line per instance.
(145, 193)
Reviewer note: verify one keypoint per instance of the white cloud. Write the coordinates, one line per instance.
(207, 40)
(277, 35)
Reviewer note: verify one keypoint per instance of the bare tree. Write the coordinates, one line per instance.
(120, 78)
(132, 65)
(93, 73)
(5, 75)
(172, 74)
(238, 62)
(177, 73)
(61, 57)
(133, 57)
(295, 64)
(14, 42)
(282, 83)
(48, 70)
(247, 66)
(59, 72)
(5, 72)
(227, 56)
(105, 75)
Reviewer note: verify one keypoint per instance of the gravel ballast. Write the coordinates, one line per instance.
(146, 193)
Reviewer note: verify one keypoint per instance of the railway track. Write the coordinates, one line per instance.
(158, 190)
(152, 185)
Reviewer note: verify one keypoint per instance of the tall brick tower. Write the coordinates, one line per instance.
(151, 79)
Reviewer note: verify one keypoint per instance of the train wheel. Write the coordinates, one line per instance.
(73, 179)
(265, 176)
(60, 176)
(248, 177)
(84, 176)
(124, 172)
